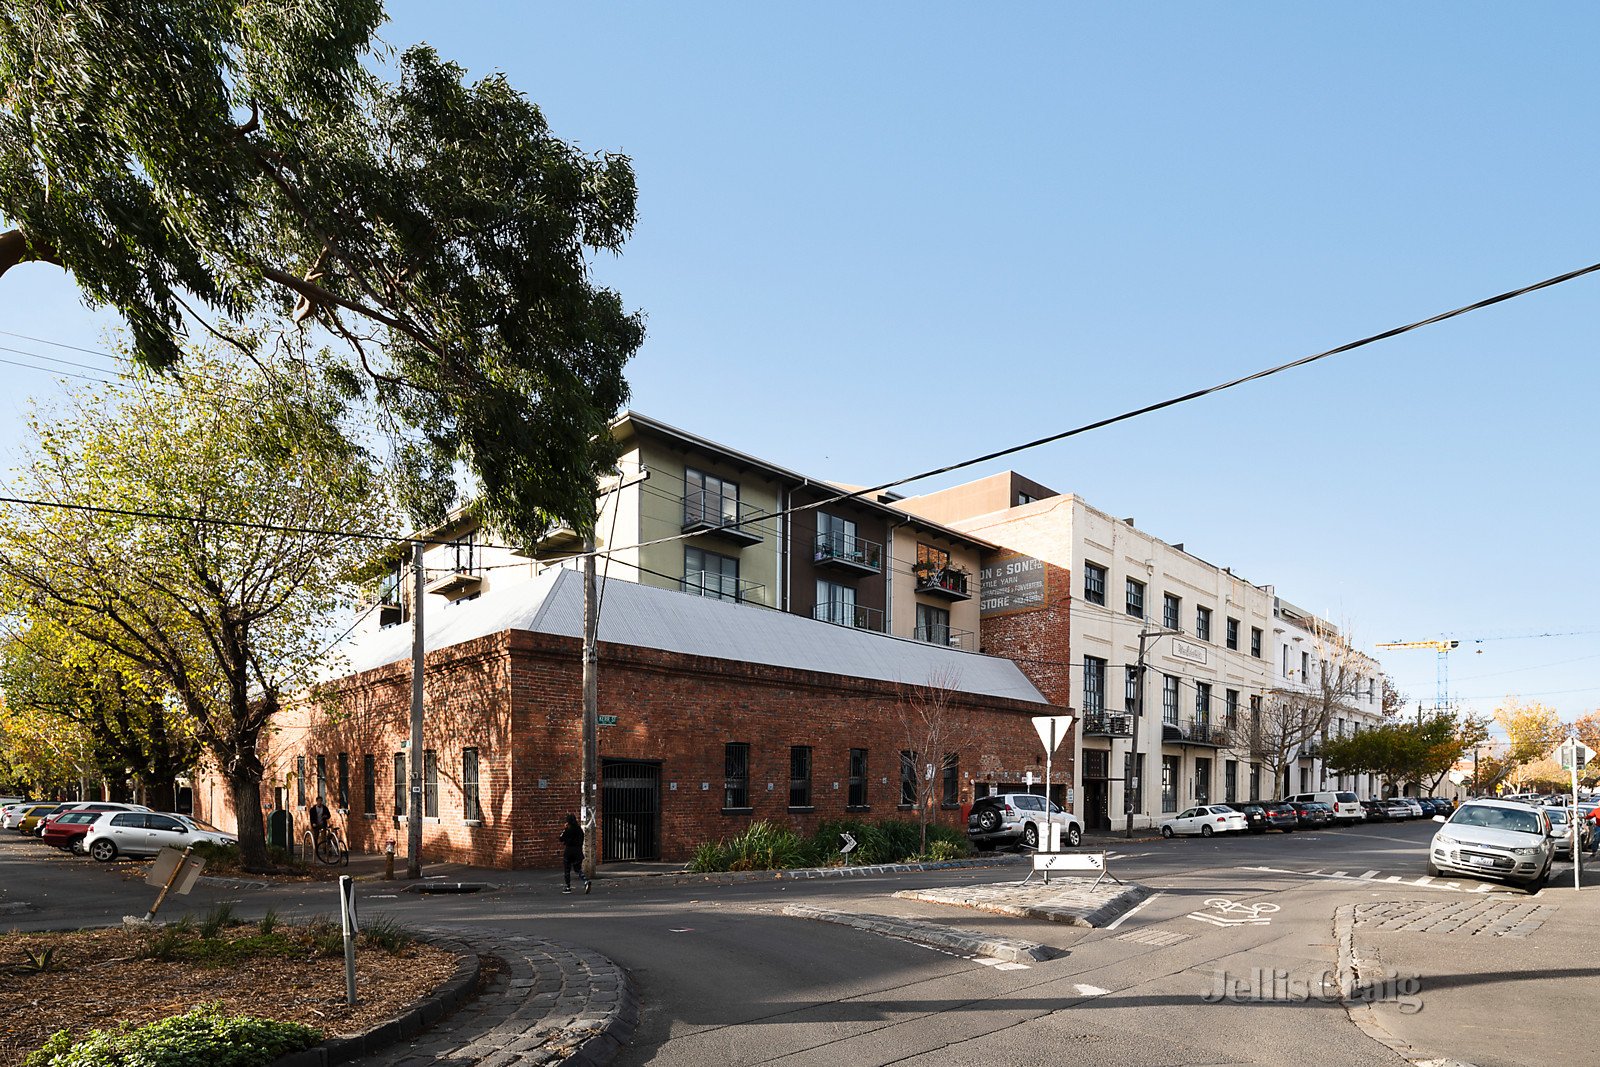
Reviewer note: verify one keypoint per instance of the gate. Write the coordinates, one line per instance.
(630, 810)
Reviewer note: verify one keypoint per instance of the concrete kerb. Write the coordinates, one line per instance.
(807, 873)
(1091, 910)
(968, 942)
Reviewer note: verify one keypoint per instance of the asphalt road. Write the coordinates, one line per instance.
(725, 978)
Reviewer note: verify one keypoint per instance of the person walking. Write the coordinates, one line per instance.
(572, 853)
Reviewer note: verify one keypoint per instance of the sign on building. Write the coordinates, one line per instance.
(1013, 584)
(1188, 650)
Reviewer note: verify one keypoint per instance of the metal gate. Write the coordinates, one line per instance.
(630, 810)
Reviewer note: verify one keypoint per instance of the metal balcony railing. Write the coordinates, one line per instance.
(855, 616)
(942, 581)
(720, 515)
(1108, 724)
(948, 636)
(724, 587)
(847, 553)
(1205, 732)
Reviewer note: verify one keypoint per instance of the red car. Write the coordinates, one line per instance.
(70, 829)
(86, 805)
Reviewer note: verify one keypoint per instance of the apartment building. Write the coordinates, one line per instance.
(1313, 655)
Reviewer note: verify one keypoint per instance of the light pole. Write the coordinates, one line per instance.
(1133, 782)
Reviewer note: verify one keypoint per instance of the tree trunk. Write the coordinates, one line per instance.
(246, 792)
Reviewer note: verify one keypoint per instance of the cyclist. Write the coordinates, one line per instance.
(319, 816)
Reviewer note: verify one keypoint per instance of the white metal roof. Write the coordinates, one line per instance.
(641, 615)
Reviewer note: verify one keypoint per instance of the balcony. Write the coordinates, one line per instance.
(560, 540)
(1196, 732)
(724, 587)
(456, 582)
(853, 555)
(1108, 724)
(948, 636)
(722, 517)
(945, 582)
(853, 615)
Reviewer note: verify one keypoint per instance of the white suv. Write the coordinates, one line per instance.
(1494, 839)
(1019, 817)
(1346, 806)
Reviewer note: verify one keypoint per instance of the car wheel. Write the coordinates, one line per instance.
(104, 850)
(76, 848)
(1166, 831)
(988, 820)
(1205, 831)
(1288, 829)
(1074, 837)
(1433, 869)
(1030, 836)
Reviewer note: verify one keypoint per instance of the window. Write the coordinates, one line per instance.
(836, 536)
(471, 807)
(300, 780)
(1255, 711)
(935, 558)
(1305, 668)
(464, 554)
(1255, 781)
(1371, 688)
(933, 625)
(430, 784)
(369, 785)
(835, 603)
(1286, 661)
(1094, 583)
(1230, 708)
(735, 775)
(709, 574)
(1169, 700)
(1133, 782)
(1202, 703)
(1255, 641)
(1231, 634)
(1025, 498)
(709, 499)
(400, 777)
(344, 781)
(800, 776)
(1094, 685)
(908, 778)
(1202, 623)
(1169, 783)
(1305, 779)
(950, 795)
(1130, 690)
(1202, 780)
(1171, 607)
(858, 778)
(1135, 605)
(1230, 781)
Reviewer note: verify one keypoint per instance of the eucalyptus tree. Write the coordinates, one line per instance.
(204, 538)
(196, 161)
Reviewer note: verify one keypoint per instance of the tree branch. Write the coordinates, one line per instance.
(15, 248)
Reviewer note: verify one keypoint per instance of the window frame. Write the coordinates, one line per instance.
(343, 765)
(801, 797)
(1133, 598)
(1202, 622)
(736, 776)
(1230, 634)
(402, 792)
(1172, 612)
(1094, 685)
(1094, 583)
(430, 784)
(950, 781)
(1255, 642)
(1170, 699)
(857, 777)
(369, 785)
(471, 788)
(908, 778)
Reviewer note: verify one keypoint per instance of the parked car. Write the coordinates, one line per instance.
(1345, 806)
(1205, 820)
(1019, 818)
(91, 805)
(204, 831)
(11, 814)
(1414, 804)
(33, 815)
(137, 833)
(1562, 825)
(68, 831)
(1276, 815)
(1311, 814)
(1494, 839)
(1376, 810)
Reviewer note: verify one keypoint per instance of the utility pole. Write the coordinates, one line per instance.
(1133, 784)
(591, 709)
(414, 809)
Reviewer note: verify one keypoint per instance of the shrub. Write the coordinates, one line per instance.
(326, 936)
(942, 851)
(162, 944)
(216, 920)
(219, 858)
(200, 1036)
(385, 933)
(769, 846)
(709, 856)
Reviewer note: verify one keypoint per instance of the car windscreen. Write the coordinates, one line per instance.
(1526, 822)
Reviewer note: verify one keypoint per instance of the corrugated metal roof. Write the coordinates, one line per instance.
(641, 615)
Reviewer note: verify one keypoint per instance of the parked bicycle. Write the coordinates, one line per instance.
(328, 847)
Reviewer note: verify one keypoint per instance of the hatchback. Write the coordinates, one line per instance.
(68, 831)
(1494, 839)
(1019, 818)
(33, 815)
(1311, 814)
(1205, 820)
(138, 833)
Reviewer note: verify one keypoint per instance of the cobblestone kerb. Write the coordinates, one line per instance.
(966, 942)
(1076, 901)
(802, 873)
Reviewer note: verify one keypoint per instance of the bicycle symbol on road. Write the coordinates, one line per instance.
(1235, 913)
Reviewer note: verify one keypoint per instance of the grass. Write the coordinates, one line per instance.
(764, 846)
(220, 940)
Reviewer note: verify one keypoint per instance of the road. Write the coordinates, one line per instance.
(725, 978)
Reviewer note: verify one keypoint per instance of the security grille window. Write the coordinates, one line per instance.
(908, 778)
(322, 778)
(858, 778)
(1130, 689)
(1094, 685)
(1232, 634)
(1230, 781)
(1255, 781)
(1094, 583)
(430, 784)
(707, 498)
(1202, 781)
(1230, 707)
(1202, 623)
(1169, 783)
(950, 795)
(1169, 700)
(933, 624)
(800, 776)
(344, 781)
(471, 806)
(400, 785)
(1255, 641)
(709, 574)
(836, 603)
(300, 780)
(1135, 599)
(1202, 703)
(369, 785)
(1171, 607)
(736, 775)
(1133, 781)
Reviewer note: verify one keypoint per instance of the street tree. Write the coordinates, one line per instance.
(203, 538)
(195, 162)
(932, 732)
(1532, 730)
(1292, 720)
(1394, 701)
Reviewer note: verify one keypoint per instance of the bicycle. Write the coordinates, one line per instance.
(328, 847)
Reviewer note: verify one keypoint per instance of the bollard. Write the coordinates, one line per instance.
(388, 861)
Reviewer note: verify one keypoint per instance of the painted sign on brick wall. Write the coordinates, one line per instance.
(1012, 584)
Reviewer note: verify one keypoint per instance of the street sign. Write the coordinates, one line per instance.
(1052, 729)
(1574, 754)
(849, 844)
(606, 720)
(1085, 862)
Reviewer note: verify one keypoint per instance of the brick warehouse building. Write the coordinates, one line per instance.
(715, 715)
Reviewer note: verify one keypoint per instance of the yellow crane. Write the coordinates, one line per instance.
(1442, 700)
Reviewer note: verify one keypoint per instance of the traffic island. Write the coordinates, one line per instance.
(1075, 901)
(964, 942)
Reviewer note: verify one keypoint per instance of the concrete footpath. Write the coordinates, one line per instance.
(1495, 981)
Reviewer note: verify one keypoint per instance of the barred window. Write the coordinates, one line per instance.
(736, 774)
(908, 778)
(858, 778)
(471, 808)
(400, 792)
(344, 781)
(369, 785)
(951, 793)
(1169, 700)
(800, 776)
(430, 784)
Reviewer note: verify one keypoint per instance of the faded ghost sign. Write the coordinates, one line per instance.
(1012, 584)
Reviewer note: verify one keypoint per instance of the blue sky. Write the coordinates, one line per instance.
(878, 238)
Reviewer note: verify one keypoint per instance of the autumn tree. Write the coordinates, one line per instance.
(932, 732)
(1532, 733)
(202, 538)
(192, 162)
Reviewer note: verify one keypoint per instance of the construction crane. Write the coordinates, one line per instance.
(1442, 700)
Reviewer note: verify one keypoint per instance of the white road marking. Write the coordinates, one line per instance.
(1392, 878)
(1369, 874)
(1124, 916)
(1011, 966)
(1091, 990)
(1340, 874)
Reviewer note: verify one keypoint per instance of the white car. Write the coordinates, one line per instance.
(12, 813)
(1206, 820)
(140, 833)
(204, 831)
(1019, 818)
(1494, 839)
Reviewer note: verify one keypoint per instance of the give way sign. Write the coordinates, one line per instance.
(1052, 728)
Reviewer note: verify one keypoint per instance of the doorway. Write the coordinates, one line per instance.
(630, 810)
